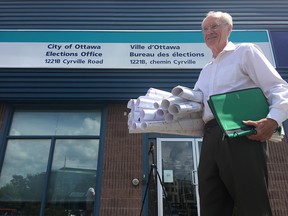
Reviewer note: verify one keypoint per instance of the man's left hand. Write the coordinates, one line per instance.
(264, 129)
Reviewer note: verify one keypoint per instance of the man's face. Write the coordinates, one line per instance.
(216, 32)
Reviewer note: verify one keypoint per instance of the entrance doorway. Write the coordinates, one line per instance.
(177, 162)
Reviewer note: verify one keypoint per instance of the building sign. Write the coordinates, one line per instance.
(114, 49)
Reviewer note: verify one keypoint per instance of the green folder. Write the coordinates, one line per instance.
(230, 109)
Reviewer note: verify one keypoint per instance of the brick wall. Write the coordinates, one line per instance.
(122, 163)
(278, 177)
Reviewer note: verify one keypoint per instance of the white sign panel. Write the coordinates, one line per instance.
(168, 176)
(114, 49)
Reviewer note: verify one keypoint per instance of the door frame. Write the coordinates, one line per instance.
(196, 156)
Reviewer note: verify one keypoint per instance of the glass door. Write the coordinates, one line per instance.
(177, 162)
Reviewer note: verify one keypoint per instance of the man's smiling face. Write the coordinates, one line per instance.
(216, 32)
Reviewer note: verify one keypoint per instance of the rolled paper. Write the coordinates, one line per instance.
(173, 109)
(185, 107)
(132, 131)
(198, 133)
(158, 95)
(187, 93)
(171, 100)
(136, 126)
(131, 103)
(157, 104)
(169, 117)
(136, 116)
(130, 118)
(276, 137)
(182, 124)
(130, 115)
(161, 113)
(129, 123)
(149, 115)
(146, 102)
(154, 91)
(193, 115)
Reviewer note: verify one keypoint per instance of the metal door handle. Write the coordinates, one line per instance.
(193, 177)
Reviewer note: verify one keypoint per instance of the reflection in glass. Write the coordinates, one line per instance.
(56, 123)
(23, 174)
(74, 170)
(177, 160)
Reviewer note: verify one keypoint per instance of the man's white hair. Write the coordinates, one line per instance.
(223, 16)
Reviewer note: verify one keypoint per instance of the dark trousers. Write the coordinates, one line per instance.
(232, 176)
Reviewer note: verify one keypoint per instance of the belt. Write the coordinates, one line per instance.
(210, 124)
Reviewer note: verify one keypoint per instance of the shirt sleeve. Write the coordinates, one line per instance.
(264, 75)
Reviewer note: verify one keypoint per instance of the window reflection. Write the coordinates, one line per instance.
(177, 158)
(23, 174)
(56, 123)
(73, 173)
(74, 165)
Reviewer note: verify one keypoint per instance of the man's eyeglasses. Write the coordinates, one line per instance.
(213, 27)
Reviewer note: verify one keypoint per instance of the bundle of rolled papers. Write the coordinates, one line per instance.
(278, 136)
(177, 112)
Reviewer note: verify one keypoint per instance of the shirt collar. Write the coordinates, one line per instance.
(229, 47)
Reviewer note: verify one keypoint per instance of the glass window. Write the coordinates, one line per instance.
(23, 174)
(74, 170)
(55, 123)
(69, 140)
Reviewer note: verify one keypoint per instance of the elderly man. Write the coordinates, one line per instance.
(233, 171)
